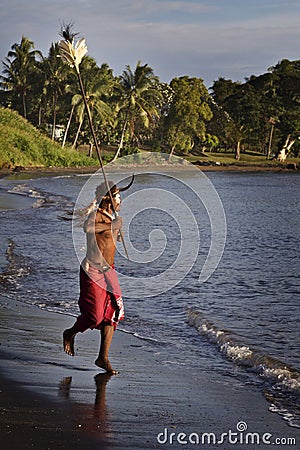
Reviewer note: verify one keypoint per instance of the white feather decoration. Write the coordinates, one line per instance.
(72, 53)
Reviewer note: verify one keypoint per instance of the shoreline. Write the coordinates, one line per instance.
(25, 172)
(51, 400)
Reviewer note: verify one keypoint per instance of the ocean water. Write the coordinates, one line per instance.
(241, 325)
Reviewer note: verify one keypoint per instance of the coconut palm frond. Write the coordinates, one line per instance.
(67, 31)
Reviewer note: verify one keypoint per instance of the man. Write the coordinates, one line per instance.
(100, 300)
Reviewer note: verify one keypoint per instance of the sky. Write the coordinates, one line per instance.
(206, 39)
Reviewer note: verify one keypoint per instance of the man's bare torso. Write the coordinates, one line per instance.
(101, 234)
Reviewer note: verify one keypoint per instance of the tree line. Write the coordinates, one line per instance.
(137, 110)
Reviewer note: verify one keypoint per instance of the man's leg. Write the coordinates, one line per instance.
(68, 339)
(107, 332)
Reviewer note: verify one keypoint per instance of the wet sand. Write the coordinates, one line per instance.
(50, 400)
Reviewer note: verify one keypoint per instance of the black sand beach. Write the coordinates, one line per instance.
(50, 400)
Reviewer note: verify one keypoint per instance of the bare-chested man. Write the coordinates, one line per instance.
(100, 300)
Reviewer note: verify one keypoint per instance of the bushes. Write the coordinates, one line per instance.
(21, 144)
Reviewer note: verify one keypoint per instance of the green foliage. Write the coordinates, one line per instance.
(22, 144)
(265, 103)
(211, 141)
(135, 109)
(188, 114)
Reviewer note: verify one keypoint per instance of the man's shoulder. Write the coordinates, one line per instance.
(103, 216)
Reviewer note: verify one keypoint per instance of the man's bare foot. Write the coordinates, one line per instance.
(104, 363)
(68, 340)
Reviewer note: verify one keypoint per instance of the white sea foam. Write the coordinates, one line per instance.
(237, 353)
(285, 376)
(283, 381)
(23, 189)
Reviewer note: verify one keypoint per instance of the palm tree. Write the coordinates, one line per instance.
(18, 66)
(56, 73)
(97, 85)
(139, 98)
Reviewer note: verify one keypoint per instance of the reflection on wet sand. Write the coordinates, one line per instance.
(92, 419)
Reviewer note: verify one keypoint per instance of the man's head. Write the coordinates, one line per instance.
(103, 197)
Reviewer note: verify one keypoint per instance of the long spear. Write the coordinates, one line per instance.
(72, 53)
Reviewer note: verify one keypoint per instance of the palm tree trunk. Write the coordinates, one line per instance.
(91, 149)
(174, 145)
(238, 151)
(24, 106)
(171, 152)
(54, 119)
(77, 134)
(121, 142)
(68, 126)
(122, 136)
(270, 141)
(40, 116)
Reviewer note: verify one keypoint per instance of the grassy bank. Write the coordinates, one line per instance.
(246, 159)
(21, 144)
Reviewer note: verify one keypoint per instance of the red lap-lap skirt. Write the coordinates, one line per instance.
(100, 299)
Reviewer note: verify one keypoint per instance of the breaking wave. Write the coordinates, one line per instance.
(281, 382)
(43, 199)
(18, 266)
